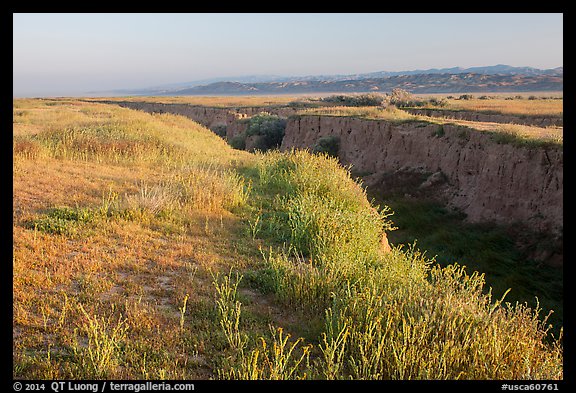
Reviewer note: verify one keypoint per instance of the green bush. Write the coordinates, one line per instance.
(65, 220)
(441, 102)
(238, 142)
(219, 130)
(327, 144)
(303, 104)
(356, 100)
(439, 132)
(270, 127)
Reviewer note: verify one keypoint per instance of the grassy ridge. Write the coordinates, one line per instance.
(136, 242)
(389, 315)
(119, 219)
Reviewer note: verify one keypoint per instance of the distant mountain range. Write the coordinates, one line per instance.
(497, 78)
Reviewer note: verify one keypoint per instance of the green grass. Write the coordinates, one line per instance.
(486, 248)
(390, 315)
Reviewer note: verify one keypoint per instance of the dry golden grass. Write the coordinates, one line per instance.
(102, 299)
(516, 132)
(212, 101)
(523, 107)
(365, 112)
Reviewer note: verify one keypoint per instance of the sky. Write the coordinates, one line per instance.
(76, 54)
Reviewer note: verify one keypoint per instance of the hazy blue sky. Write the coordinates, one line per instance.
(71, 54)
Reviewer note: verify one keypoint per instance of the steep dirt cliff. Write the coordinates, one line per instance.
(488, 181)
(539, 121)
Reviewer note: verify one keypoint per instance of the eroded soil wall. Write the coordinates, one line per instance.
(505, 183)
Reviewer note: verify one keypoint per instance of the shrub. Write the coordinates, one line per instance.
(309, 103)
(238, 142)
(106, 337)
(279, 359)
(402, 98)
(324, 210)
(270, 127)
(372, 99)
(466, 97)
(229, 310)
(329, 145)
(219, 130)
(441, 102)
(439, 132)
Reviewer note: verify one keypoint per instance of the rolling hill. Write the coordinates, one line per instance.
(252, 83)
(417, 83)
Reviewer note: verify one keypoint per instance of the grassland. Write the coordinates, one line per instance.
(544, 107)
(546, 104)
(212, 101)
(146, 248)
(365, 112)
(116, 223)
